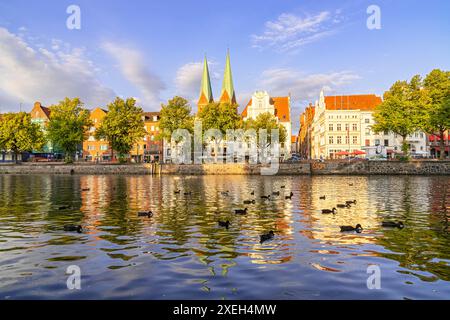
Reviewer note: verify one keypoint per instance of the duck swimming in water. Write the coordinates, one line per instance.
(322, 198)
(350, 202)
(72, 228)
(276, 193)
(241, 211)
(266, 236)
(333, 211)
(177, 191)
(265, 197)
(252, 193)
(225, 193)
(249, 201)
(187, 193)
(225, 224)
(289, 197)
(357, 228)
(391, 224)
(64, 207)
(340, 205)
(147, 214)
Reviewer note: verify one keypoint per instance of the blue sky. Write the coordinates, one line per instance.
(152, 50)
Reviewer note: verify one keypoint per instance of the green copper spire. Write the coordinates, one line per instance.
(205, 90)
(228, 94)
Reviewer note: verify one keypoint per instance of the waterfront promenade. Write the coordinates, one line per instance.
(422, 167)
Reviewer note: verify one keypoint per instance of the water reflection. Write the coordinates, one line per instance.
(182, 252)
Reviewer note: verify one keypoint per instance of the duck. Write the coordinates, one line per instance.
(276, 193)
(350, 202)
(340, 205)
(391, 224)
(266, 236)
(177, 191)
(252, 193)
(333, 211)
(249, 201)
(357, 228)
(85, 189)
(241, 211)
(282, 187)
(289, 197)
(225, 224)
(64, 207)
(187, 193)
(72, 228)
(350, 184)
(147, 214)
(322, 198)
(265, 197)
(225, 193)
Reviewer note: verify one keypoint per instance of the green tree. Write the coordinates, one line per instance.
(221, 116)
(437, 86)
(68, 126)
(176, 114)
(18, 134)
(402, 110)
(269, 122)
(122, 126)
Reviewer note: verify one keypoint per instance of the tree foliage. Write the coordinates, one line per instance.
(266, 121)
(176, 114)
(221, 116)
(18, 134)
(402, 110)
(437, 87)
(68, 125)
(122, 126)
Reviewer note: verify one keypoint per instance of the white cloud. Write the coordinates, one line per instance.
(304, 88)
(136, 71)
(290, 32)
(189, 77)
(30, 73)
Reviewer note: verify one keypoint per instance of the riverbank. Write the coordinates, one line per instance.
(301, 168)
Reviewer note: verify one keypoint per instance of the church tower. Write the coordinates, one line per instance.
(206, 95)
(227, 95)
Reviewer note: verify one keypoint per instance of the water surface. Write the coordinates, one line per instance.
(182, 253)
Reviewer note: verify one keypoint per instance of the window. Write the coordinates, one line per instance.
(331, 127)
(155, 118)
(386, 142)
(331, 140)
(377, 142)
(421, 135)
(152, 128)
(339, 139)
(347, 139)
(367, 131)
(355, 139)
(152, 138)
(338, 127)
(346, 126)
(367, 120)
(104, 147)
(91, 138)
(367, 142)
(355, 127)
(91, 148)
(386, 132)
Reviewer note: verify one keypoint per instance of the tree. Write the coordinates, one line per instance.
(122, 126)
(402, 110)
(68, 126)
(437, 86)
(176, 114)
(18, 134)
(221, 116)
(269, 122)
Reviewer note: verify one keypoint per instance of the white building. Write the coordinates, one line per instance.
(344, 124)
(280, 107)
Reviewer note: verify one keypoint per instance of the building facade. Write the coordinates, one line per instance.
(93, 149)
(343, 124)
(305, 132)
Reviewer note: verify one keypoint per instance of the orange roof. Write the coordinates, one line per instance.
(366, 102)
(281, 105)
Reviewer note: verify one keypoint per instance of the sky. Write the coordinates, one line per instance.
(154, 50)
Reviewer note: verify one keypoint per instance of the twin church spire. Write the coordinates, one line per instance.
(227, 94)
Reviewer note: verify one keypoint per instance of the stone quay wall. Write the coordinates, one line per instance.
(301, 168)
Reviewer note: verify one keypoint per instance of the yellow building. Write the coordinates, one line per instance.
(148, 148)
(93, 149)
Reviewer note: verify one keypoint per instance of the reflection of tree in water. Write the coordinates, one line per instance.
(118, 214)
(423, 245)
